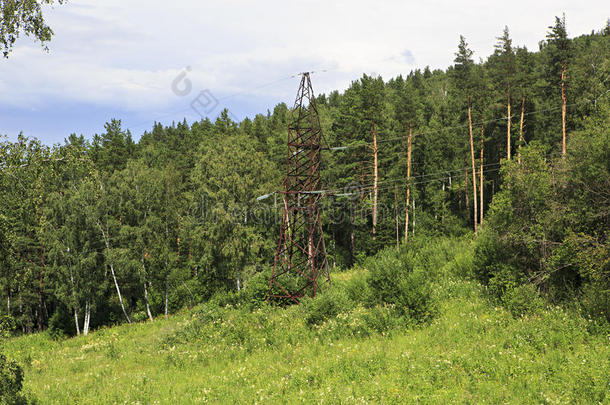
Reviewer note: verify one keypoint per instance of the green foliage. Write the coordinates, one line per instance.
(60, 324)
(326, 305)
(11, 382)
(23, 17)
(256, 289)
(356, 287)
(523, 299)
(7, 326)
(110, 230)
(394, 281)
(11, 374)
(361, 353)
(549, 225)
(119, 228)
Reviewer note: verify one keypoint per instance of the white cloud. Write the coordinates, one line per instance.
(125, 54)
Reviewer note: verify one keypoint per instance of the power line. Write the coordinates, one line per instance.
(440, 175)
(484, 122)
(240, 93)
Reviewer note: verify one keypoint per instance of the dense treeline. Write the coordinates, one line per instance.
(94, 232)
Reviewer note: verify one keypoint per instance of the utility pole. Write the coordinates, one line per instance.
(409, 153)
(300, 259)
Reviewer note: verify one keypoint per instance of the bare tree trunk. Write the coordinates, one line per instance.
(563, 108)
(146, 302)
(481, 176)
(375, 181)
(166, 298)
(521, 129)
(474, 172)
(118, 291)
(8, 302)
(87, 318)
(409, 153)
(40, 290)
(116, 284)
(76, 321)
(508, 123)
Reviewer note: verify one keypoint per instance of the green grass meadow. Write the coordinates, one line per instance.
(470, 351)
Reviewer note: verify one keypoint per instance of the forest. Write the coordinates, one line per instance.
(108, 230)
(510, 152)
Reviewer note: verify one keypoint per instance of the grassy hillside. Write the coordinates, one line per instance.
(470, 351)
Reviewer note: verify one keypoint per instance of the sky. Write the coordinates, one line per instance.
(146, 61)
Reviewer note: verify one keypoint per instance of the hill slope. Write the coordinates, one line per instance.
(472, 351)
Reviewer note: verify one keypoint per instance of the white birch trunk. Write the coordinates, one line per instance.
(147, 303)
(87, 319)
(116, 284)
(166, 297)
(76, 321)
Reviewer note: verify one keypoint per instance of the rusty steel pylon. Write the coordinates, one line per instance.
(300, 259)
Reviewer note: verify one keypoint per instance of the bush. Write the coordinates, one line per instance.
(11, 375)
(386, 270)
(325, 305)
(595, 304)
(462, 264)
(356, 288)
(7, 325)
(359, 322)
(226, 298)
(256, 289)
(60, 325)
(392, 280)
(11, 382)
(415, 298)
(523, 299)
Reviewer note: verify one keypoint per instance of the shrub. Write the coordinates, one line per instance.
(386, 270)
(7, 325)
(415, 298)
(356, 288)
(595, 304)
(392, 280)
(523, 299)
(326, 305)
(226, 298)
(382, 319)
(11, 382)
(11, 374)
(60, 325)
(503, 278)
(256, 289)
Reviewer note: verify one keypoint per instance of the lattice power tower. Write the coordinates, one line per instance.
(300, 260)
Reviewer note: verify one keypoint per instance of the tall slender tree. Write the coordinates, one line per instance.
(560, 51)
